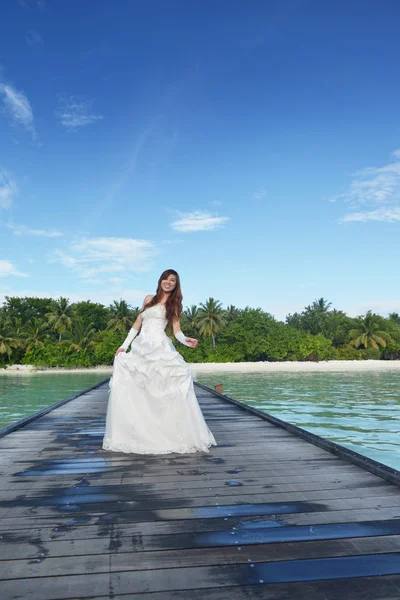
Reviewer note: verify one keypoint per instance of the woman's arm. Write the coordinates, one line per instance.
(139, 321)
(176, 326)
(134, 329)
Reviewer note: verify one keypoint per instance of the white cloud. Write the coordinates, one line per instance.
(17, 107)
(41, 4)
(260, 194)
(23, 230)
(8, 189)
(378, 190)
(33, 38)
(73, 114)
(198, 221)
(107, 256)
(7, 269)
(388, 215)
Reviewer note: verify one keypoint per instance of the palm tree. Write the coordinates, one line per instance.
(368, 332)
(231, 313)
(60, 316)
(81, 337)
(8, 342)
(191, 314)
(122, 316)
(321, 305)
(16, 327)
(395, 318)
(35, 333)
(211, 318)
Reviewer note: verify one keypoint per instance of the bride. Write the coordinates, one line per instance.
(152, 407)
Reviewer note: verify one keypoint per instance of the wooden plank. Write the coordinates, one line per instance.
(161, 526)
(363, 588)
(198, 489)
(101, 556)
(197, 578)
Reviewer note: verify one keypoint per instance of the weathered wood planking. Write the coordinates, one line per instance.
(266, 514)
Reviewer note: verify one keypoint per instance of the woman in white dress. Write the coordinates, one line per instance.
(152, 407)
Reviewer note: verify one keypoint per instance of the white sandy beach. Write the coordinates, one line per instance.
(272, 367)
(255, 367)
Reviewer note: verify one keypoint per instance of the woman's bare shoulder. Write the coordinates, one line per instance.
(147, 299)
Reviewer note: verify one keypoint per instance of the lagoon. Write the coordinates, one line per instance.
(359, 410)
(22, 395)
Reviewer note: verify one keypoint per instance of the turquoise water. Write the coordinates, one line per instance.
(22, 395)
(358, 410)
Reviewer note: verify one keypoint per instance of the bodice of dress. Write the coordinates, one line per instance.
(154, 321)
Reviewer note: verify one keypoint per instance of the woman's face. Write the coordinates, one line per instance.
(169, 284)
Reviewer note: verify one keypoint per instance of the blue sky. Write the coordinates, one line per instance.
(252, 146)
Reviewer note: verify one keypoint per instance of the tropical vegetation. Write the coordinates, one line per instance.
(50, 333)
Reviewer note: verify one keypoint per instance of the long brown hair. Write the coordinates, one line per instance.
(173, 305)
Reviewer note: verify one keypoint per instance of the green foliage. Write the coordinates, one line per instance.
(36, 331)
(369, 331)
(31, 328)
(9, 342)
(91, 313)
(59, 316)
(371, 354)
(25, 309)
(108, 343)
(348, 352)
(82, 336)
(122, 316)
(53, 354)
(317, 318)
(317, 347)
(210, 319)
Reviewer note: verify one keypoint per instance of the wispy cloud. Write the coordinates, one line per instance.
(16, 106)
(8, 189)
(106, 256)
(33, 38)
(7, 269)
(378, 190)
(260, 194)
(73, 114)
(198, 221)
(388, 215)
(127, 169)
(23, 230)
(41, 4)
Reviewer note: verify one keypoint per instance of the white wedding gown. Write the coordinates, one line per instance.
(152, 407)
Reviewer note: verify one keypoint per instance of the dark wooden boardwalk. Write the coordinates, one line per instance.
(264, 515)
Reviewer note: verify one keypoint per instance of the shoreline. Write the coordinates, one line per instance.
(248, 367)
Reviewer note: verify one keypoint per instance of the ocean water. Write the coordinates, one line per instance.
(358, 410)
(22, 395)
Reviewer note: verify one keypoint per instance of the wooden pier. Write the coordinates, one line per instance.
(264, 515)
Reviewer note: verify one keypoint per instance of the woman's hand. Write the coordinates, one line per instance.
(191, 342)
(119, 350)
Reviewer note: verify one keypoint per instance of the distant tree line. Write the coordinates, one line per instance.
(47, 332)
